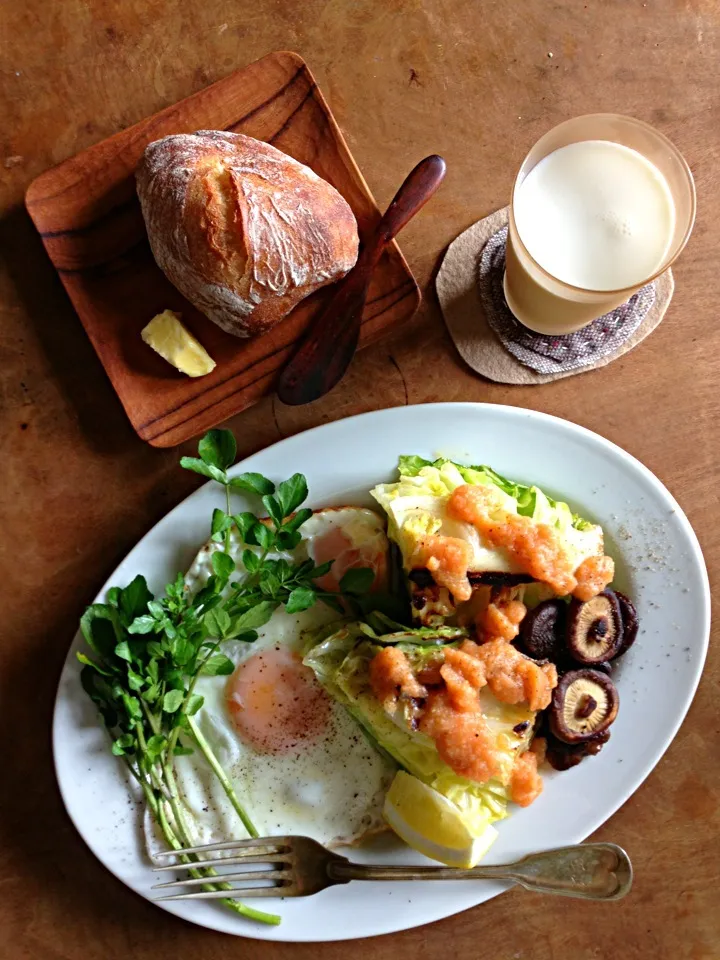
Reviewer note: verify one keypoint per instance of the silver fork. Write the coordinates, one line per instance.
(300, 867)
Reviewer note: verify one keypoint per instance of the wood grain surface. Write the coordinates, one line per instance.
(88, 215)
(474, 82)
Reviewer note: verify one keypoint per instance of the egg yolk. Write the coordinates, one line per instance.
(337, 546)
(275, 702)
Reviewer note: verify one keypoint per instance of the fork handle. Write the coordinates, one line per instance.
(594, 871)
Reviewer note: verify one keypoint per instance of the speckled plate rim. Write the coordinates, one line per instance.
(660, 562)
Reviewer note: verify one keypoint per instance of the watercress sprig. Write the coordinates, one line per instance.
(148, 653)
(147, 656)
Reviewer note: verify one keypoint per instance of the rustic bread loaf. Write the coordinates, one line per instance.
(242, 230)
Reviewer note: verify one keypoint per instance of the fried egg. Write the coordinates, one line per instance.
(297, 761)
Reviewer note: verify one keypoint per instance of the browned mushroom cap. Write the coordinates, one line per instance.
(562, 756)
(595, 628)
(542, 630)
(584, 703)
(629, 621)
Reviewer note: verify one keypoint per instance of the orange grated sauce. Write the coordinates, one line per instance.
(447, 559)
(525, 781)
(593, 575)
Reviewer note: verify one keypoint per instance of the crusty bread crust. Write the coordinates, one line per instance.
(242, 230)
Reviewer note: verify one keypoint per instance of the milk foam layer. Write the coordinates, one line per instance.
(596, 214)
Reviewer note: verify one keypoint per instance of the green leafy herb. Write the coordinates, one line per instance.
(221, 522)
(253, 483)
(133, 599)
(218, 665)
(223, 565)
(244, 522)
(274, 509)
(300, 599)
(218, 448)
(205, 469)
(144, 624)
(122, 650)
(357, 580)
(172, 701)
(195, 701)
(293, 523)
(291, 493)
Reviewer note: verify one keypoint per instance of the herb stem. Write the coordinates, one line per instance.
(191, 686)
(189, 692)
(253, 579)
(222, 777)
(145, 786)
(202, 872)
(227, 504)
(175, 844)
(177, 810)
(150, 717)
(147, 763)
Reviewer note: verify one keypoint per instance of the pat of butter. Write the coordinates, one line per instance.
(168, 337)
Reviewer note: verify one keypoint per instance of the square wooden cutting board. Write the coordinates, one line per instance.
(88, 215)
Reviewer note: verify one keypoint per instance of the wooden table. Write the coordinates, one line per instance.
(477, 82)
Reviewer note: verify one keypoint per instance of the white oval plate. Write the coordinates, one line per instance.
(660, 565)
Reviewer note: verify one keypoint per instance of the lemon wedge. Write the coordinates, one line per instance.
(431, 824)
(168, 337)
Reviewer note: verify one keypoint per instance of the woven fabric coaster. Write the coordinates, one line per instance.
(494, 344)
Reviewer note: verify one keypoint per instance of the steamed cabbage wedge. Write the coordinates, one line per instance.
(341, 663)
(416, 507)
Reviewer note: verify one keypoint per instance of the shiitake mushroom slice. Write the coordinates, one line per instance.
(584, 704)
(595, 628)
(604, 667)
(563, 756)
(542, 631)
(630, 622)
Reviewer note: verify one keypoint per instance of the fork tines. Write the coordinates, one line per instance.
(275, 850)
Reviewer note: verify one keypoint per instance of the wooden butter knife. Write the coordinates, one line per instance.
(325, 353)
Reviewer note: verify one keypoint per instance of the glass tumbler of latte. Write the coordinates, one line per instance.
(601, 206)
